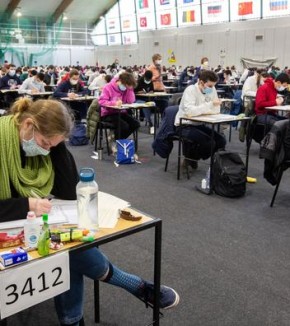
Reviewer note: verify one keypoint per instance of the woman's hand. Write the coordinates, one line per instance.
(39, 206)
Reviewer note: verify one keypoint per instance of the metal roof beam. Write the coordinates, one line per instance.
(12, 5)
(60, 10)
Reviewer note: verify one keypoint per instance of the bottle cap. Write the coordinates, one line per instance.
(87, 174)
(45, 218)
(31, 215)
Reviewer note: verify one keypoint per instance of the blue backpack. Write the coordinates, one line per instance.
(125, 151)
(78, 136)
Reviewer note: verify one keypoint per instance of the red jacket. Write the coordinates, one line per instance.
(266, 96)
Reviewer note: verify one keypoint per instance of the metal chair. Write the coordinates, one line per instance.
(284, 166)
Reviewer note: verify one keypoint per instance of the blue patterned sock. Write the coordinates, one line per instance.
(129, 282)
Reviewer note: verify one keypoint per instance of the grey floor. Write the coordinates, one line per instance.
(229, 259)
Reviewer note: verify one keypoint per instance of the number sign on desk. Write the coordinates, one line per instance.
(26, 285)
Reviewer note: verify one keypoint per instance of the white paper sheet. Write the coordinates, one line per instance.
(65, 211)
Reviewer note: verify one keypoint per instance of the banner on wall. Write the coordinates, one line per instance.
(252, 63)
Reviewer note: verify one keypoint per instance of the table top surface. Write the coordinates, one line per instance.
(215, 118)
(79, 98)
(132, 106)
(278, 107)
(155, 94)
(102, 235)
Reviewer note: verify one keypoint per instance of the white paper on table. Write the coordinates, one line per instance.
(65, 211)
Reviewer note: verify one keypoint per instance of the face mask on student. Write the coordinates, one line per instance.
(280, 88)
(73, 82)
(158, 62)
(31, 148)
(122, 87)
(147, 81)
(207, 90)
(12, 73)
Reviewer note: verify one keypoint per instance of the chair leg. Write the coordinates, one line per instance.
(166, 163)
(107, 142)
(277, 186)
(96, 137)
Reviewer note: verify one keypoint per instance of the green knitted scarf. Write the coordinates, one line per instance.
(36, 178)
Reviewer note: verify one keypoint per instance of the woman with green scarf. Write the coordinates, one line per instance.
(34, 162)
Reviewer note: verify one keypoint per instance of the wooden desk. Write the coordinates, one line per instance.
(213, 120)
(123, 229)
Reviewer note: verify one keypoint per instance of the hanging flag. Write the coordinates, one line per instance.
(126, 23)
(165, 19)
(188, 1)
(164, 2)
(245, 8)
(188, 16)
(143, 21)
(278, 5)
(111, 24)
(212, 10)
(143, 4)
(112, 38)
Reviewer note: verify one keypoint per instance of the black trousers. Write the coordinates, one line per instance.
(199, 145)
(126, 123)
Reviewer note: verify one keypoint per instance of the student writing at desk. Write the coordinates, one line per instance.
(198, 99)
(119, 91)
(35, 160)
(144, 86)
(267, 96)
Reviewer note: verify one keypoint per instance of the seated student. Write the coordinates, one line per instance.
(73, 88)
(37, 161)
(10, 81)
(252, 83)
(119, 91)
(200, 98)
(185, 78)
(33, 85)
(267, 96)
(145, 85)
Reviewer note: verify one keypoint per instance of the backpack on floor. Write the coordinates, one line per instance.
(78, 136)
(229, 174)
(125, 151)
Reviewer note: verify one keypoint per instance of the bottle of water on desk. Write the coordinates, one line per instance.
(31, 230)
(87, 200)
(207, 178)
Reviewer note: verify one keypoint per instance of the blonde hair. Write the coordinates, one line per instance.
(156, 56)
(50, 117)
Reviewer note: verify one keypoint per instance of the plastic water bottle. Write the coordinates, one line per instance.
(87, 200)
(31, 230)
(44, 238)
(208, 178)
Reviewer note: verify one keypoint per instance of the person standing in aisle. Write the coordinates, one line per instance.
(156, 69)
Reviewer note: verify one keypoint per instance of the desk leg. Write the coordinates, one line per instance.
(179, 152)
(157, 272)
(211, 160)
(97, 301)
(248, 144)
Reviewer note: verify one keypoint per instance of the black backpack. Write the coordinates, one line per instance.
(229, 174)
(78, 136)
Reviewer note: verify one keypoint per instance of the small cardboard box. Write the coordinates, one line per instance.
(13, 257)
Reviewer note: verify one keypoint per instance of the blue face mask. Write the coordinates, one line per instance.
(207, 90)
(31, 148)
(122, 87)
